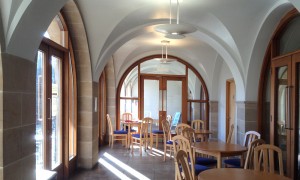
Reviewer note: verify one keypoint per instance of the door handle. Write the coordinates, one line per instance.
(288, 107)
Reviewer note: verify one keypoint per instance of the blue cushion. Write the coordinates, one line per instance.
(205, 161)
(199, 168)
(120, 132)
(131, 130)
(169, 142)
(233, 162)
(137, 136)
(157, 131)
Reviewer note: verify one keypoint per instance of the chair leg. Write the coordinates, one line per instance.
(112, 141)
(156, 141)
(141, 147)
(131, 145)
(109, 140)
(165, 151)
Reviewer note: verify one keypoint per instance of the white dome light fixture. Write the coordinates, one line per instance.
(164, 53)
(175, 31)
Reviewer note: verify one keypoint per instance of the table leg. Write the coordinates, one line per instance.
(219, 160)
(129, 136)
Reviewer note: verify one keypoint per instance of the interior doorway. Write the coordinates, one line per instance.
(162, 96)
(230, 107)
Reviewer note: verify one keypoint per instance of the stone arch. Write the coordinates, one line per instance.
(87, 124)
(260, 47)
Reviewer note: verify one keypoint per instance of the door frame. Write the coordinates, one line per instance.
(163, 78)
(228, 107)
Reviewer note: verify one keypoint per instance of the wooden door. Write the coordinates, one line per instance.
(230, 107)
(284, 130)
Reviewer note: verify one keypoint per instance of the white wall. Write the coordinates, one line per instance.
(223, 76)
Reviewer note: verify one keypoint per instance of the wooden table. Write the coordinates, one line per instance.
(238, 174)
(218, 150)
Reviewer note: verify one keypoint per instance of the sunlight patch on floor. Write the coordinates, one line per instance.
(125, 167)
(113, 169)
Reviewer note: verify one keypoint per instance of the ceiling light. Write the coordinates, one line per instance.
(164, 53)
(175, 30)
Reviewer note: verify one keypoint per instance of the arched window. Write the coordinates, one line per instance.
(150, 88)
(56, 120)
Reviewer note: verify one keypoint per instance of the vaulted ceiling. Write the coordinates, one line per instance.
(235, 32)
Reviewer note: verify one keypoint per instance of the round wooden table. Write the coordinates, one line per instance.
(219, 150)
(238, 174)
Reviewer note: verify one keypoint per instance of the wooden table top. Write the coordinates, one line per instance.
(238, 174)
(203, 131)
(218, 146)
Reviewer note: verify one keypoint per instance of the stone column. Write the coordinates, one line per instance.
(246, 118)
(213, 122)
(17, 117)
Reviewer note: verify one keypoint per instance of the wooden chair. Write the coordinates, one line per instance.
(264, 158)
(144, 136)
(115, 135)
(180, 127)
(182, 143)
(169, 119)
(249, 162)
(197, 124)
(168, 143)
(189, 133)
(127, 117)
(250, 136)
(181, 163)
(159, 134)
(230, 133)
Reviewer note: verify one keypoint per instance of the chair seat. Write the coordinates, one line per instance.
(205, 161)
(138, 136)
(131, 130)
(169, 142)
(120, 132)
(199, 168)
(158, 132)
(236, 162)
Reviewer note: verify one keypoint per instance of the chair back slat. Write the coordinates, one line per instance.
(228, 140)
(264, 158)
(249, 163)
(181, 162)
(166, 128)
(180, 127)
(109, 124)
(189, 133)
(126, 116)
(198, 124)
(182, 143)
(250, 136)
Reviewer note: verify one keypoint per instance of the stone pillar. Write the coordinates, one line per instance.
(111, 91)
(213, 122)
(17, 117)
(246, 118)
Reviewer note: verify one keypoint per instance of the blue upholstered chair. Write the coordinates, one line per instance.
(116, 134)
(250, 136)
(145, 135)
(159, 134)
(189, 133)
(182, 143)
(168, 143)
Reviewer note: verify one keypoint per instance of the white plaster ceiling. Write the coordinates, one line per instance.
(231, 30)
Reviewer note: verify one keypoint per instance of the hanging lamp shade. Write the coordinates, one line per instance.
(175, 30)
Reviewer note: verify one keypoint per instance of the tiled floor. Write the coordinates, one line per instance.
(127, 166)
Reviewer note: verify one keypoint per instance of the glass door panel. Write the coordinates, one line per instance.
(55, 110)
(174, 97)
(280, 130)
(151, 101)
(40, 110)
